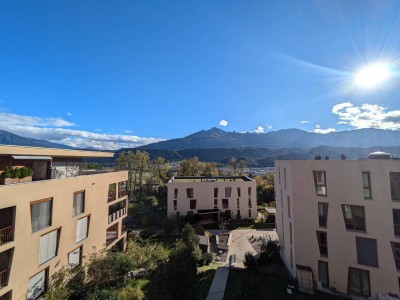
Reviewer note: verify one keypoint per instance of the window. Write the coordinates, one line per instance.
(238, 203)
(291, 258)
(122, 189)
(238, 191)
(175, 204)
(193, 204)
(320, 182)
(396, 221)
(279, 175)
(228, 191)
(323, 273)
(48, 246)
(284, 176)
(358, 282)
(288, 206)
(322, 214)
(367, 253)
(366, 178)
(37, 285)
(41, 212)
(215, 192)
(175, 193)
(354, 217)
(281, 199)
(238, 215)
(215, 203)
(395, 185)
(111, 234)
(78, 206)
(249, 202)
(75, 257)
(396, 254)
(82, 226)
(322, 243)
(291, 233)
(189, 193)
(249, 191)
(112, 192)
(249, 213)
(225, 203)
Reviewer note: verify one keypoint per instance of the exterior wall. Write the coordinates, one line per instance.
(203, 192)
(344, 186)
(25, 261)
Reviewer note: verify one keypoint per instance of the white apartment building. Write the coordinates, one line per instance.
(233, 196)
(338, 223)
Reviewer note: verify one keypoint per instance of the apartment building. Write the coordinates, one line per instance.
(338, 223)
(210, 197)
(55, 217)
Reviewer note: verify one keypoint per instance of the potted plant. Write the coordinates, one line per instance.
(26, 174)
(15, 175)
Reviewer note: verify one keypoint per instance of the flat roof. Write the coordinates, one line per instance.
(53, 152)
(209, 179)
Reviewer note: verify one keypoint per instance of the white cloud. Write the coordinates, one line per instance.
(51, 129)
(341, 123)
(223, 123)
(367, 116)
(323, 131)
(269, 126)
(69, 114)
(305, 122)
(317, 126)
(259, 129)
(128, 131)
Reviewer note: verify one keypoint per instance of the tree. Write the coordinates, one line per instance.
(241, 167)
(160, 169)
(233, 165)
(190, 167)
(210, 169)
(191, 240)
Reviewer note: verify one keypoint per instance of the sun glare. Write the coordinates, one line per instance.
(372, 76)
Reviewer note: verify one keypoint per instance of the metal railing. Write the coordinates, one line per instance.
(116, 215)
(111, 237)
(6, 235)
(3, 278)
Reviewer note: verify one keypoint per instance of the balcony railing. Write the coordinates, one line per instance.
(123, 229)
(118, 214)
(111, 196)
(111, 237)
(122, 193)
(6, 235)
(3, 278)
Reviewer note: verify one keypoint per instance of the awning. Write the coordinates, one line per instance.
(207, 211)
(32, 157)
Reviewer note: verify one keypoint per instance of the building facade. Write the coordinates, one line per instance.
(56, 217)
(233, 197)
(338, 224)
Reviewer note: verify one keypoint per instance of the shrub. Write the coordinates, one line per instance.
(168, 226)
(206, 259)
(130, 293)
(199, 230)
(107, 294)
(145, 221)
(250, 262)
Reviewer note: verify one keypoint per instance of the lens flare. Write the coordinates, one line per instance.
(373, 76)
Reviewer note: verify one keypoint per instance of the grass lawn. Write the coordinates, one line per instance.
(206, 276)
(266, 283)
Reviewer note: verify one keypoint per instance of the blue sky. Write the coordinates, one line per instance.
(111, 74)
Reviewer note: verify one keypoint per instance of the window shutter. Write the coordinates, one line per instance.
(48, 246)
(36, 285)
(79, 200)
(81, 229)
(74, 258)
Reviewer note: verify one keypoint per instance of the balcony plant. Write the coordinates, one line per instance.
(16, 175)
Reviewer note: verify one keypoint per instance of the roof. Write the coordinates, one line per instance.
(53, 152)
(209, 179)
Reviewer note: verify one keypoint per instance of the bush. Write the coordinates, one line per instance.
(168, 226)
(199, 230)
(145, 221)
(206, 259)
(130, 293)
(250, 262)
(106, 294)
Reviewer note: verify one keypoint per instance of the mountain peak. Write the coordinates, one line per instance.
(215, 129)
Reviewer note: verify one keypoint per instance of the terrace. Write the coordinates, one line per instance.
(187, 179)
(7, 225)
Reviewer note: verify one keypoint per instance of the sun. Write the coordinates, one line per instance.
(373, 75)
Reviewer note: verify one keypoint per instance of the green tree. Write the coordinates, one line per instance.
(160, 169)
(191, 240)
(233, 165)
(190, 167)
(210, 169)
(241, 167)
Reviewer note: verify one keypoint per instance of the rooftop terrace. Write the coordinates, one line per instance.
(184, 179)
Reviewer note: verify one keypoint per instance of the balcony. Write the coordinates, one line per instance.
(123, 229)
(3, 278)
(122, 193)
(6, 235)
(7, 225)
(116, 215)
(122, 189)
(111, 234)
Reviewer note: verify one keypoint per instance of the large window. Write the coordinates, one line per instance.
(112, 192)
(48, 246)
(320, 182)
(322, 243)
(323, 273)
(189, 193)
(354, 217)
(37, 285)
(215, 203)
(367, 252)
(249, 202)
(82, 226)
(249, 191)
(366, 178)
(228, 191)
(122, 189)
(225, 203)
(322, 214)
(175, 193)
(238, 192)
(193, 204)
(395, 185)
(41, 212)
(396, 254)
(237, 203)
(75, 257)
(215, 192)
(78, 206)
(358, 282)
(175, 204)
(396, 221)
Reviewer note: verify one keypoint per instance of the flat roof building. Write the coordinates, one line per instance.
(338, 223)
(52, 217)
(208, 197)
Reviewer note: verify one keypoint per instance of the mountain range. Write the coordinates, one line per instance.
(8, 138)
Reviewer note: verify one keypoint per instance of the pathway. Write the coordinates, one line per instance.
(217, 288)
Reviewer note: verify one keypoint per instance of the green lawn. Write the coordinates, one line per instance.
(206, 276)
(267, 283)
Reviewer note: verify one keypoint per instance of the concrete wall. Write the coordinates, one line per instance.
(25, 262)
(344, 186)
(203, 192)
